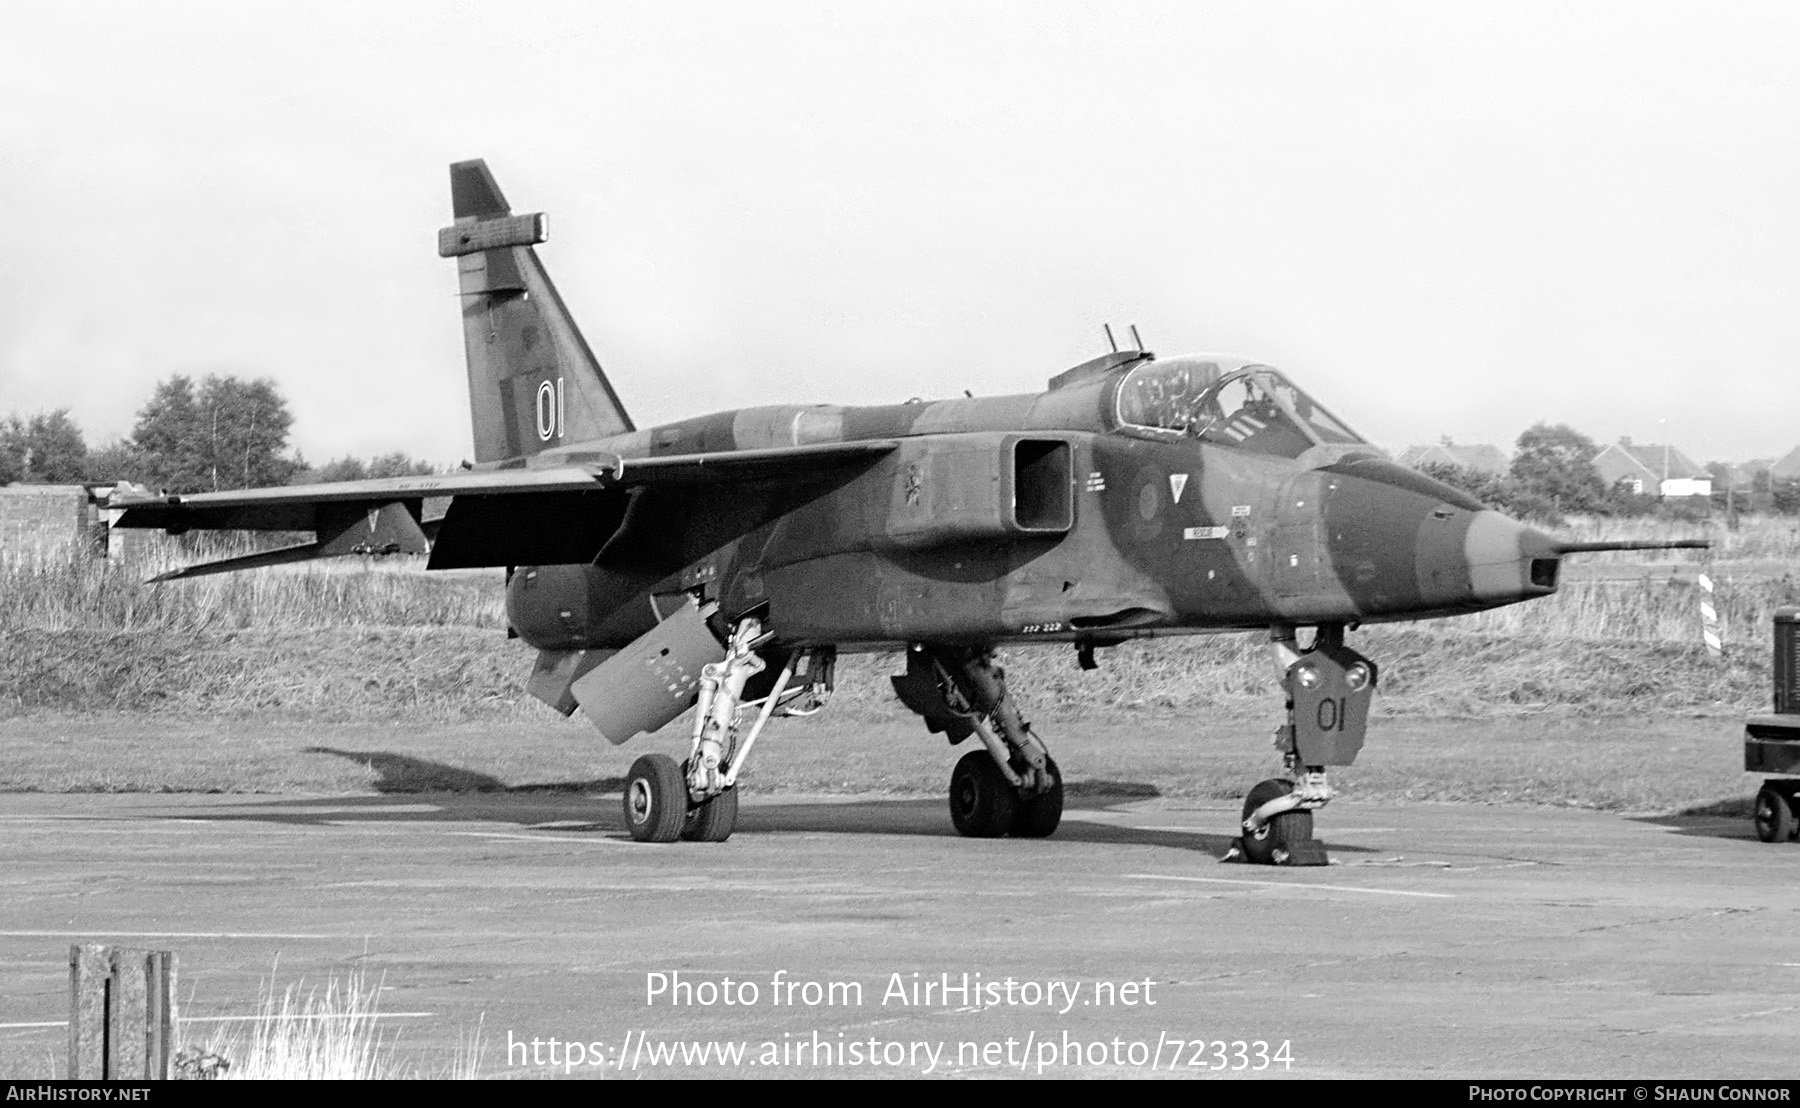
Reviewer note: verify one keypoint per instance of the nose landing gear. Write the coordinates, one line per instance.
(1328, 688)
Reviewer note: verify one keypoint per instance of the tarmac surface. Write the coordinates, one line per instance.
(1444, 941)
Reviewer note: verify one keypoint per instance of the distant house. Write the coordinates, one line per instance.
(1484, 458)
(1657, 468)
(1788, 467)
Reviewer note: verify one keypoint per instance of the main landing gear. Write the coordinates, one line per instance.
(1012, 786)
(1328, 688)
(698, 799)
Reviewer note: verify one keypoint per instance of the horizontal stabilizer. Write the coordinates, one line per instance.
(304, 552)
(343, 529)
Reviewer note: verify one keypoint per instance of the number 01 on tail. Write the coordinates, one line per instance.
(551, 410)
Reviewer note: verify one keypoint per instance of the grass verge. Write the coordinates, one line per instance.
(320, 1033)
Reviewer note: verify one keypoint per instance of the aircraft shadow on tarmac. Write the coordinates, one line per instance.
(415, 790)
(402, 773)
(1718, 819)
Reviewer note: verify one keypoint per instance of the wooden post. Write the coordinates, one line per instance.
(121, 1013)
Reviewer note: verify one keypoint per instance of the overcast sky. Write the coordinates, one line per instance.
(1441, 219)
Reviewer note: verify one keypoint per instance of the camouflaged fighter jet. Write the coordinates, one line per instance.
(719, 563)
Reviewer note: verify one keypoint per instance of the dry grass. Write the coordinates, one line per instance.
(61, 589)
(323, 1033)
(1648, 610)
(455, 674)
(1756, 538)
(353, 640)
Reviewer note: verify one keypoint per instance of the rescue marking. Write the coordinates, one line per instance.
(1288, 885)
(1238, 511)
(1205, 532)
(1177, 485)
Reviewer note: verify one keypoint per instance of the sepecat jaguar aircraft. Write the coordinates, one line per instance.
(721, 562)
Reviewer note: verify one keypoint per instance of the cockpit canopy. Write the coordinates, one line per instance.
(1247, 407)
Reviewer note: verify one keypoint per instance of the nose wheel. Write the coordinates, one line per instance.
(1284, 839)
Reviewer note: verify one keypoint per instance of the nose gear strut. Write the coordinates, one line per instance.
(1328, 689)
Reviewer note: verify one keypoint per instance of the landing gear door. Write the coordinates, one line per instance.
(1331, 688)
(650, 682)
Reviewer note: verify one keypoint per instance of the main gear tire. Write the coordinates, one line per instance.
(982, 800)
(1774, 815)
(656, 800)
(1280, 833)
(1037, 817)
(713, 819)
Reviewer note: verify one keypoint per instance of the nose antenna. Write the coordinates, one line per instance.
(1107, 327)
(1135, 341)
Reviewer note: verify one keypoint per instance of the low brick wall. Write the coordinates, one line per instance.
(38, 519)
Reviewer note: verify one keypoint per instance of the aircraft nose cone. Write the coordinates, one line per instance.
(1461, 556)
(1508, 560)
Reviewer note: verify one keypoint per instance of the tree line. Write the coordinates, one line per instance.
(220, 432)
(1553, 474)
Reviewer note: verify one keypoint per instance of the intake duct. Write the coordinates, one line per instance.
(982, 485)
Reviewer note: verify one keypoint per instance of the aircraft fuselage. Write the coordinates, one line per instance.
(1029, 518)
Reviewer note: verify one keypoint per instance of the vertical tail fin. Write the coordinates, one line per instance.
(533, 382)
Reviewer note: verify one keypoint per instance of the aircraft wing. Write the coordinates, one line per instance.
(562, 514)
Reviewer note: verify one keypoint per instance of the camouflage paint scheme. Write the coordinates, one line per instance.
(1134, 497)
(909, 540)
(870, 556)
